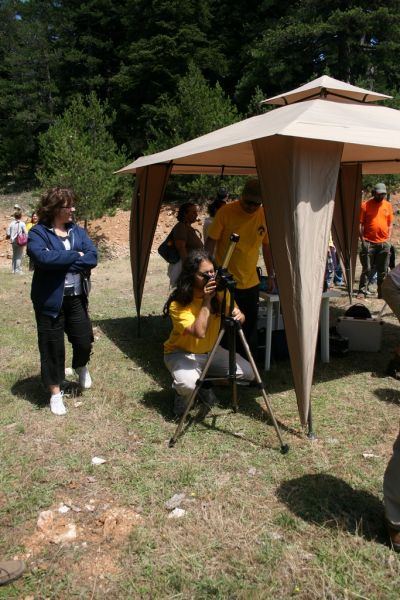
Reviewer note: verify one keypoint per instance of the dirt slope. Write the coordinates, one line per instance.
(112, 233)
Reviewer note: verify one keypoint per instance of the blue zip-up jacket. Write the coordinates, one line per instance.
(52, 262)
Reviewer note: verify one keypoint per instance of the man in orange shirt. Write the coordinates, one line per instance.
(376, 222)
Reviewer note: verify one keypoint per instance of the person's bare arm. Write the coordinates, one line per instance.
(200, 325)
(390, 224)
(361, 231)
(180, 245)
(269, 265)
(238, 315)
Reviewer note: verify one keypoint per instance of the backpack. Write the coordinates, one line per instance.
(21, 239)
(358, 311)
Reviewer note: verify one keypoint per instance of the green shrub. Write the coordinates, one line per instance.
(78, 151)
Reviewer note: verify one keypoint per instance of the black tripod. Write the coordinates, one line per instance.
(231, 327)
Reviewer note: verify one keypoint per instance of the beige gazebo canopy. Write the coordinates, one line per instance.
(305, 153)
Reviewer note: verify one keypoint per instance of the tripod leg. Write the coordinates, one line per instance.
(193, 395)
(284, 447)
(232, 361)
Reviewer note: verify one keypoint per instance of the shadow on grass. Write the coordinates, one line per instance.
(331, 502)
(389, 395)
(162, 401)
(31, 389)
(146, 351)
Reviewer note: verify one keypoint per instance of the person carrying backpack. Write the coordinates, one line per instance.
(18, 236)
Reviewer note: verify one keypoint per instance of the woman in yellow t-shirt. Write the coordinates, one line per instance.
(32, 222)
(195, 310)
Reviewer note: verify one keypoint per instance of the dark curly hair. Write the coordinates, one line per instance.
(183, 210)
(183, 293)
(51, 201)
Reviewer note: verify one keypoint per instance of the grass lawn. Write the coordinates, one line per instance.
(258, 524)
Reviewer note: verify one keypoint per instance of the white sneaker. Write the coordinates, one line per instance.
(57, 404)
(85, 381)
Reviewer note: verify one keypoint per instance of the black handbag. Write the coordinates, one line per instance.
(168, 251)
(358, 311)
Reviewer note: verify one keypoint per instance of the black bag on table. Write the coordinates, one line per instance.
(358, 311)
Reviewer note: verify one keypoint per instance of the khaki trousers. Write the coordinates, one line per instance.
(186, 368)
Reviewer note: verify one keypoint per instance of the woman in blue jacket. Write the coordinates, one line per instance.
(63, 255)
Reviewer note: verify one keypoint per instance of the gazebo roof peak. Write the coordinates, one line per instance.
(326, 87)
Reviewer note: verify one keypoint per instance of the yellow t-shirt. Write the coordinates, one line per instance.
(252, 230)
(183, 317)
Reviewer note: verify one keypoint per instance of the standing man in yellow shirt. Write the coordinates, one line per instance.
(245, 217)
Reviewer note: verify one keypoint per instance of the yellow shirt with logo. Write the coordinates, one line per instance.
(252, 230)
(183, 317)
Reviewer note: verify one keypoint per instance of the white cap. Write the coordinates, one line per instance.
(380, 188)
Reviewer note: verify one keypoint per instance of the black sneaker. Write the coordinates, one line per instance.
(207, 397)
(180, 403)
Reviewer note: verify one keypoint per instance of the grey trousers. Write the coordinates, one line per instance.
(18, 252)
(391, 488)
(373, 256)
(186, 368)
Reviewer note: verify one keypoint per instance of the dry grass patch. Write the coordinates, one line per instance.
(256, 524)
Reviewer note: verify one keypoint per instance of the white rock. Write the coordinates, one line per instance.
(63, 508)
(177, 513)
(45, 520)
(68, 535)
(97, 460)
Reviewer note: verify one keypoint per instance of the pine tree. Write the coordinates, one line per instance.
(349, 40)
(78, 151)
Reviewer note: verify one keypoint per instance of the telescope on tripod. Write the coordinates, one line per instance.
(232, 327)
